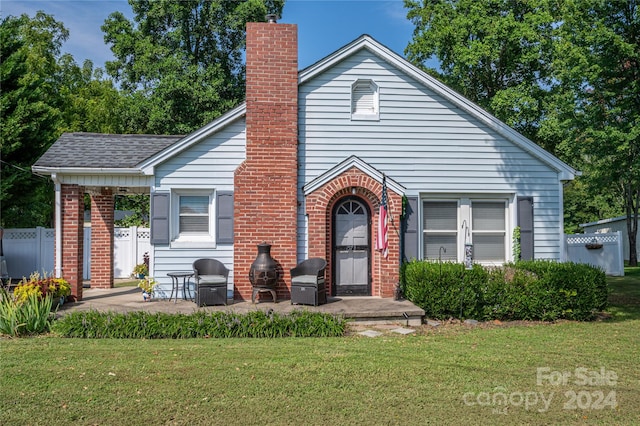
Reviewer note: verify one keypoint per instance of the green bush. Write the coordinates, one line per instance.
(527, 290)
(94, 324)
(25, 317)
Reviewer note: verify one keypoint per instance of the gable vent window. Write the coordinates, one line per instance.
(364, 100)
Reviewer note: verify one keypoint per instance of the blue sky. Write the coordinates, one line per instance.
(323, 25)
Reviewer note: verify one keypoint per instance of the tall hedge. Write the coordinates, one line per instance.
(527, 290)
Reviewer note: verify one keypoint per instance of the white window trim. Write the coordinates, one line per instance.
(178, 240)
(370, 116)
(464, 218)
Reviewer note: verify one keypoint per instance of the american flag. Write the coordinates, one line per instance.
(382, 238)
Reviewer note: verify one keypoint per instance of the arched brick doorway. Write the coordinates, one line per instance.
(320, 207)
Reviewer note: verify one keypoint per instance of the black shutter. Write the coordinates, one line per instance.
(410, 249)
(159, 218)
(525, 222)
(224, 217)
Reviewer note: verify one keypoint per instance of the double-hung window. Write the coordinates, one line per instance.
(194, 215)
(488, 225)
(449, 225)
(440, 226)
(194, 221)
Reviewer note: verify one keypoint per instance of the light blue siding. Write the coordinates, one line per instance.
(209, 164)
(422, 141)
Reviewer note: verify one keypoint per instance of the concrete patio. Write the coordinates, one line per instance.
(364, 310)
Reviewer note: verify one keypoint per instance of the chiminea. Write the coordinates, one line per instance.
(263, 274)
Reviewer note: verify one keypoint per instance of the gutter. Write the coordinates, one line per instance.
(43, 170)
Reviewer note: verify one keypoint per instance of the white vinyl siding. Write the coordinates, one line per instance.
(201, 170)
(421, 141)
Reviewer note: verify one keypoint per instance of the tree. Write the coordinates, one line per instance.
(494, 52)
(598, 63)
(91, 103)
(181, 63)
(29, 107)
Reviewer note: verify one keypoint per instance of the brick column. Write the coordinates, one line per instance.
(72, 236)
(102, 239)
(265, 195)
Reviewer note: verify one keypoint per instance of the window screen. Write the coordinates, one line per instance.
(488, 225)
(194, 214)
(440, 225)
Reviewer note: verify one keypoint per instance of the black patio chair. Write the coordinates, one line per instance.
(307, 282)
(211, 277)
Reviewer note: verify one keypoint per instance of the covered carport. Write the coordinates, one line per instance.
(101, 165)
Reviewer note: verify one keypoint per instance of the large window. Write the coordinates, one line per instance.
(449, 225)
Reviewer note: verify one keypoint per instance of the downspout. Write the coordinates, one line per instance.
(58, 225)
(563, 252)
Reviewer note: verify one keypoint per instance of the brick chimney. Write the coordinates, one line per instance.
(265, 196)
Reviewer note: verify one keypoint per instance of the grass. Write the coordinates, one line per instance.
(438, 376)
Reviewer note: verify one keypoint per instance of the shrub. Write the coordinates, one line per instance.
(527, 290)
(93, 324)
(41, 286)
(25, 317)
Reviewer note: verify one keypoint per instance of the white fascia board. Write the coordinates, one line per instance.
(342, 167)
(149, 164)
(48, 171)
(565, 172)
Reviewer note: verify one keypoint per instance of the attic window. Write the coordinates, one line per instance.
(364, 100)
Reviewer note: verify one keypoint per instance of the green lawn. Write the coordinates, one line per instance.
(453, 374)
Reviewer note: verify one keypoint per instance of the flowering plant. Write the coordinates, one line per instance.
(140, 269)
(41, 286)
(147, 284)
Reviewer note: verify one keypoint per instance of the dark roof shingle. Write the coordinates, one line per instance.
(97, 150)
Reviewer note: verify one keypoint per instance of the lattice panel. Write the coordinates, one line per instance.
(20, 235)
(121, 233)
(604, 238)
(144, 234)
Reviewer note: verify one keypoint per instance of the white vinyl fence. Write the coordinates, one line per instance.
(31, 250)
(603, 250)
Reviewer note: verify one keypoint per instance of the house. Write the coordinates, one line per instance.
(612, 225)
(301, 165)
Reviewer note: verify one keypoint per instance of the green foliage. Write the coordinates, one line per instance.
(517, 249)
(527, 290)
(495, 53)
(41, 286)
(565, 74)
(146, 325)
(27, 317)
(181, 62)
(29, 107)
(43, 94)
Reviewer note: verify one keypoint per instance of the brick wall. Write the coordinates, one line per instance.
(265, 195)
(72, 236)
(102, 206)
(320, 204)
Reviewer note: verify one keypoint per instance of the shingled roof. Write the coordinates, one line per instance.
(97, 150)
